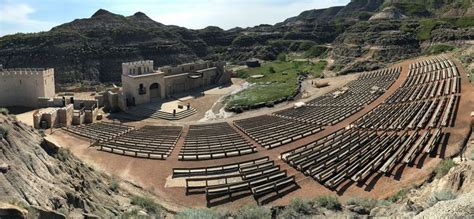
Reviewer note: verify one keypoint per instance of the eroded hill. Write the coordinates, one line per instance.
(363, 35)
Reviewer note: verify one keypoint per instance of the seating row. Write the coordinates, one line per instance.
(213, 141)
(273, 131)
(154, 142)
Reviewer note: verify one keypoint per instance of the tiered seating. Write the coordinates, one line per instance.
(272, 131)
(360, 92)
(426, 99)
(99, 131)
(212, 141)
(319, 115)
(410, 118)
(259, 177)
(155, 142)
(336, 106)
(356, 154)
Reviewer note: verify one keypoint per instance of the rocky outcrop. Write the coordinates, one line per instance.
(50, 180)
(388, 13)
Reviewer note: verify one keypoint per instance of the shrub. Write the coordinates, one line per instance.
(197, 214)
(62, 154)
(304, 207)
(4, 111)
(400, 195)
(440, 196)
(281, 57)
(439, 48)
(443, 168)
(316, 51)
(253, 212)
(146, 203)
(130, 214)
(366, 203)
(329, 202)
(4, 130)
(114, 185)
(271, 69)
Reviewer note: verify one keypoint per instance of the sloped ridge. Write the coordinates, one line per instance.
(388, 13)
(57, 180)
(102, 12)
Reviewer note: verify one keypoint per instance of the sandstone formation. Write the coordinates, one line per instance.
(92, 49)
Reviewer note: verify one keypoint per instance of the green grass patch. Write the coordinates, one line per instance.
(146, 203)
(279, 81)
(443, 168)
(427, 25)
(438, 49)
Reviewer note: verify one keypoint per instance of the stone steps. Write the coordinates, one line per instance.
(149, 113)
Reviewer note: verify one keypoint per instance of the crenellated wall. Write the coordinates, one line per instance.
(22, 87)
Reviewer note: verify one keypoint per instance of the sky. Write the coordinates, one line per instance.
(27, 16)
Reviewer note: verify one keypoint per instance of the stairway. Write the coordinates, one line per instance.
(157, 114)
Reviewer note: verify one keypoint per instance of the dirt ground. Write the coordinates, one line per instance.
(154, 175)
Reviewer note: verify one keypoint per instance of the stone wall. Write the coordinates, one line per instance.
(22, 87)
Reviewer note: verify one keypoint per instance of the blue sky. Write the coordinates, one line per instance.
(42, 15)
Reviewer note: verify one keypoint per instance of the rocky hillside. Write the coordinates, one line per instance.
(364, 34)
(38, 178)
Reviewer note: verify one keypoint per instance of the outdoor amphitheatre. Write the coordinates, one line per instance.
(126, 130)
(383, 130)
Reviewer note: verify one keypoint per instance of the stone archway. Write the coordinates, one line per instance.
(155, 91)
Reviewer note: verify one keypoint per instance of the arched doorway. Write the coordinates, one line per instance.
(155, 90)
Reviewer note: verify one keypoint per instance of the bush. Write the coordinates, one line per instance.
(443, 168)
(253, 212)
(366, 203)
(440, 196)
(304, 207)
(114, 185)
(440, 48)
(271, 69)
(4, 111)
(281, 57)
(316, 51)
(329, 202)
(62, 154)
(402, 193)
(197, 214)
(146, 203)
(4, 130)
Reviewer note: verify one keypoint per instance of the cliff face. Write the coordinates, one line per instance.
(53, 180)
(94, 48)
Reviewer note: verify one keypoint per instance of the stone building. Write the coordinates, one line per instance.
(23, 86)
(141, 83)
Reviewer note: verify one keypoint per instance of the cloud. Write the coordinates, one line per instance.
(16, 17)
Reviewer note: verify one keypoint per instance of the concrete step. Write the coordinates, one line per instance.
(149, 113)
